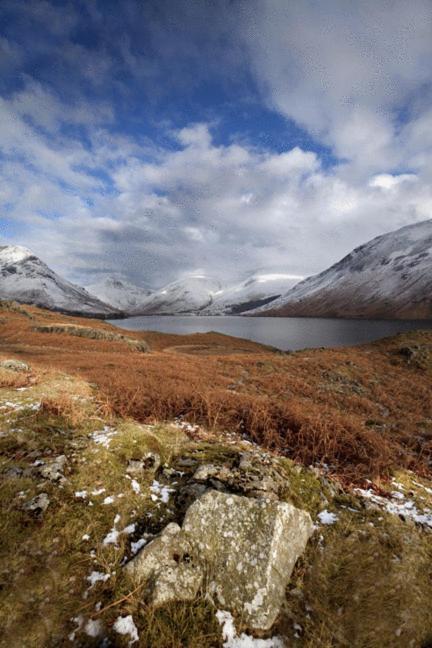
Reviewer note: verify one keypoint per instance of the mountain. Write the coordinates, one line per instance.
(117, 292)
(25, 278)
(188, 295)
(389, 277)
(257, 290)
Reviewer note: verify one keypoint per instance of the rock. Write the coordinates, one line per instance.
(38, 504)
(54, 469)
(15, 365)
(252, 547)
(150, 461)
(205, 472)
(186, 462)
(254, 477)
(166, 564)
(14, 473)
(245, 548)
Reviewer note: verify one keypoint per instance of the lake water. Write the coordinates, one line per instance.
(282, 332)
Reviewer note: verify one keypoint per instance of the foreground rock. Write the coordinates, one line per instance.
(244, 549)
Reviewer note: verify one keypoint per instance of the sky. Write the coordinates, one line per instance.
(159, 138)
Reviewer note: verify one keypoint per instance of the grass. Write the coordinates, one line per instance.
(362, 413)
(45, 560)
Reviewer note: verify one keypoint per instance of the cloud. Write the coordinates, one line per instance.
(343, 70)
(94, 181)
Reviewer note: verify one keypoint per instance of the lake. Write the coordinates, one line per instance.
(282, 332)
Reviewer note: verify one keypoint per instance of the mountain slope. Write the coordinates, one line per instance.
(388, 277)
(189, 295)
(26, 279)
(119, 293)
(255, 291)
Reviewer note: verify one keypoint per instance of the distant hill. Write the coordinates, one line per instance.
(189, 295)
(117, 292)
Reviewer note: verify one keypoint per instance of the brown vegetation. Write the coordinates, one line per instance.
(363, 410)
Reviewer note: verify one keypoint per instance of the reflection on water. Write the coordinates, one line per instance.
(281, 332)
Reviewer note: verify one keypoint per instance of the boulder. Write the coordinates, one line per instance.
(244, 549)
(14, 365)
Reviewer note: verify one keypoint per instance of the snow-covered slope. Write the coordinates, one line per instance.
(388, 277)
(26, 279)
(189, 295)
(117, 292)
(257, 290)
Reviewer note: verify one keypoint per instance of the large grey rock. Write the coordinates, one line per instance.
(251, 547)
(244, 548)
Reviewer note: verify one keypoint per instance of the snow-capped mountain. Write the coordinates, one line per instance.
(389, 277)
(25, 278)
(257, 290)
(189, 295)
(117, 292)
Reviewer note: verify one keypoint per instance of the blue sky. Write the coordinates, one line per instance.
(156, 139)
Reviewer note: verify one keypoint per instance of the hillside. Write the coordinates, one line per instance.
(110, 444)
(27, 279)
(119, 293)
(188, 295)
(388, 277)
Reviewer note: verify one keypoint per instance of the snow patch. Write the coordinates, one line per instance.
(326, 517)
(126, 626)
(232, 640)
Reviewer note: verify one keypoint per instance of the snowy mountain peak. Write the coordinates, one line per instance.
(13, 254)
(120, 293)
(27, 279)
(191, 294)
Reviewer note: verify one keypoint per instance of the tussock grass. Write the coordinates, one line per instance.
(363, 582)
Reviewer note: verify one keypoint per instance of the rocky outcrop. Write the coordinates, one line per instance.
(15, 365)
(243, 550)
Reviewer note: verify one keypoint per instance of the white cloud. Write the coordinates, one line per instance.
(161, 213)
(344, 71)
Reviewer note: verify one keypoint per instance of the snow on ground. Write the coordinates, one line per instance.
(113, 535)
(160, 492)
(326, 517)
(93, 627)
(135, 486)
(97, 577)
(398, 504)
(126, 626)
(136, 546)
(103, 437)
(232, 640)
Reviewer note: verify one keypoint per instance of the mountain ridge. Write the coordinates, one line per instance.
(388, 277)
(25, 278)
